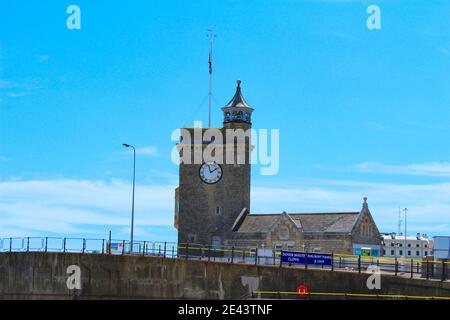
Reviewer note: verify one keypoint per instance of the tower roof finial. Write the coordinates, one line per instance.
(238, 100)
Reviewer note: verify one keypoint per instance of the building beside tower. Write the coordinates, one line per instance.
(212, 201)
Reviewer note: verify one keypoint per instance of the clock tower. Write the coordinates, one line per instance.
(212, 194)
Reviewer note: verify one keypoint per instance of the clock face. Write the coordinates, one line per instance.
(210, 172)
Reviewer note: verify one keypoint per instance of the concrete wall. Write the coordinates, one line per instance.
(43, 276)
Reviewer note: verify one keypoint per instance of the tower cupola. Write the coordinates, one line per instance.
(237, 110)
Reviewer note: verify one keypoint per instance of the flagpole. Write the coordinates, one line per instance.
(210, 75)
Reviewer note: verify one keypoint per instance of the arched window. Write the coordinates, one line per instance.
(216, 242)
(284, 233)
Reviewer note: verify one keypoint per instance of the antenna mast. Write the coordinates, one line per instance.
(211, 40)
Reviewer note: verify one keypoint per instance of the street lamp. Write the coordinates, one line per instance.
(132, 202)
(406, 212)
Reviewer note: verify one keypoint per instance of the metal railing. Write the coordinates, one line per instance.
(428, 269)
(337, 295)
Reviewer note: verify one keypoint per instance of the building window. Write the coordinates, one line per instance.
(392, 252)
(217, 210)
(278, 247)
(392, 244)
(290, 247)
(192, 238)
(417, 245)
(417, 253)
(284, 233)
(400, 252)
(400, 244)
(409, 245)
(216, 242)
(426, 253)
(409, 252)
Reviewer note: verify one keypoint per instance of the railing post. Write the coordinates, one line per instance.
(187, 250)
(443, 270)
(64, 245)
(340, 262)
(273, 256)
(165, 247)
(396, 266)
(209, 253)
(28, 244)
(46, 244)
(84, 245)
(243, 255)
(428, 273)
(332, 261)
(306, 259)
(123, 247)
(143, 249)
(103, 246)
(256, 256)
(109, 246)
(359, 264)
(232, 254)
(10, 244)
(173, 251)
(412, 268)
(281, 259)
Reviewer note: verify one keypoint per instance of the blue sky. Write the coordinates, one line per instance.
(361, 112)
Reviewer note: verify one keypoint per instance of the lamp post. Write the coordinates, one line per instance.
(406, 245)
(132, 201)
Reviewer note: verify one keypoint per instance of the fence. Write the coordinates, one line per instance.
(337, 295)
(429, 269)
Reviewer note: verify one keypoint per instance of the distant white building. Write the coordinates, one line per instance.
(413, 247)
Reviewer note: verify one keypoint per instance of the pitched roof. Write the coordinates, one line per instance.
(335, 222)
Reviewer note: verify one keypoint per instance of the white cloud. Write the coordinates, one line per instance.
(147, 151)
(433, 169)
(77, 206)
(6, 84)
(44, 58)
(16, 94)
(428, 204)
(71, 206)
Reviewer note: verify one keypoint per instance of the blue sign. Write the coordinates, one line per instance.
(309, 258)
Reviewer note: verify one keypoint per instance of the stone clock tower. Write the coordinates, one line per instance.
(211, 195)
